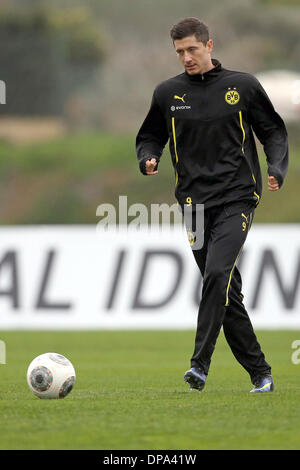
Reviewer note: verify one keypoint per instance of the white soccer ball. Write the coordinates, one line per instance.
(51, 375)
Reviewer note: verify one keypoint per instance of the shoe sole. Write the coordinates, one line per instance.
(194, 382)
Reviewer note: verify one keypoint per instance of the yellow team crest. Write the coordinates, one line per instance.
(191, 238)
(232, 96)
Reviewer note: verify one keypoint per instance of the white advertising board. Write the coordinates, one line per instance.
(73, 277)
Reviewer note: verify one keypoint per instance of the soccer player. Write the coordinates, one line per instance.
(208, 114)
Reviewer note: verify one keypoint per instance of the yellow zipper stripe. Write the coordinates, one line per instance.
(243, 130)
(175, 146)
(244, 137)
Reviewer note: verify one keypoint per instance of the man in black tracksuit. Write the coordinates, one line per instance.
(208, 114)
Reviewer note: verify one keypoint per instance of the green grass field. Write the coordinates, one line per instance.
(130, 394)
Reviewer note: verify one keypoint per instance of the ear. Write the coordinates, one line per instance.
(209, 45)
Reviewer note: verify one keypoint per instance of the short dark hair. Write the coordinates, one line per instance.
(188, 27)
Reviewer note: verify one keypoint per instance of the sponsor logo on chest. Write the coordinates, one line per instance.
(181, 99)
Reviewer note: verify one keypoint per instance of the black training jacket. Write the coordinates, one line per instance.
(209, 121)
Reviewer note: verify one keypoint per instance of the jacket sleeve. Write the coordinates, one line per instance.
(271, 132)
(152, 136)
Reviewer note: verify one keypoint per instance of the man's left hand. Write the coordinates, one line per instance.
(273, 184)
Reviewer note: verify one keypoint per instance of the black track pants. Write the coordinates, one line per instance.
(225, 231)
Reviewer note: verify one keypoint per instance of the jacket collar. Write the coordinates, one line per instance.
(207, 76)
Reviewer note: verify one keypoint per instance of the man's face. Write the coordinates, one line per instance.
(193, 55)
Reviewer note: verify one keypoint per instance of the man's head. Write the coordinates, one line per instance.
(192, 44)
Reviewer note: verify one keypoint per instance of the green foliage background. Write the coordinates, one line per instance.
(64, 180)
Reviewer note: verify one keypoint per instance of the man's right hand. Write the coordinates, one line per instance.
(150, 165)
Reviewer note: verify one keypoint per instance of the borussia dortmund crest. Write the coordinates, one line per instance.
(191, 238)
(232, 96)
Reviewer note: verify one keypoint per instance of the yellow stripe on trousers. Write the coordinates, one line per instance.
(228, 285)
